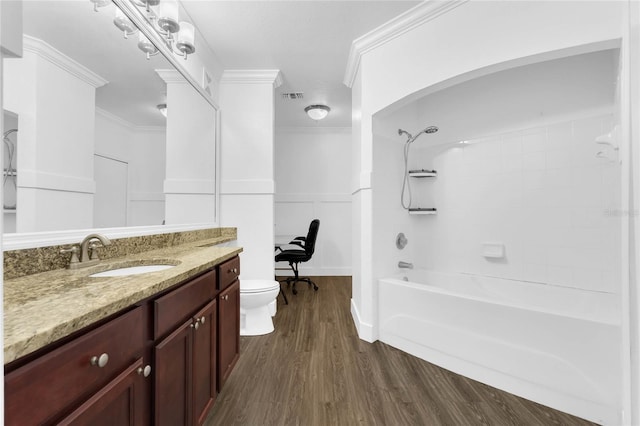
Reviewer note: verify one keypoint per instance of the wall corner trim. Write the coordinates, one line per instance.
(365, 331)
(62, 61)
(414, 17)
(252, 77)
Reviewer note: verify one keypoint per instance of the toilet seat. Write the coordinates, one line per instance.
(258, 286)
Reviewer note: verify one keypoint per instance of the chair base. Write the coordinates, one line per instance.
(296, 279)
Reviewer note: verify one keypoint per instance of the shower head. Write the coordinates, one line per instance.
(410, 139)
(404, 132)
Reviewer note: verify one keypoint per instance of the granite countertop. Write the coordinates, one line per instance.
(42, 308)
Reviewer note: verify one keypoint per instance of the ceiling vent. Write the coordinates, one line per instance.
(293, 96)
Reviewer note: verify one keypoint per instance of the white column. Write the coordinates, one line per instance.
(247, 187)
(54, 98)
(189, 185)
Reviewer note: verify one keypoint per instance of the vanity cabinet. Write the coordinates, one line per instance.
(229, 319)
(162, 361)
(101, 363)
(185, 360)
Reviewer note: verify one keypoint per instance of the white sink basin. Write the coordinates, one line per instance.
(131, 270)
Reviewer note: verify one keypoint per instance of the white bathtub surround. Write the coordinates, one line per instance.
(542, 192)
(556, 346)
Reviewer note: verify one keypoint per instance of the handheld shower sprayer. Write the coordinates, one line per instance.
(410, 138)
(405, 183)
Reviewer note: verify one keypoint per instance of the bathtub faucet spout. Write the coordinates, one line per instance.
(405, 265)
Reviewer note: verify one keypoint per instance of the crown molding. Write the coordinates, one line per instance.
(114, 118)
(412, 18)
(253, 77)
(149, 129)
(171, 76)
(62, 61)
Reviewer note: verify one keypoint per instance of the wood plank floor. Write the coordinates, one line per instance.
(313, 370)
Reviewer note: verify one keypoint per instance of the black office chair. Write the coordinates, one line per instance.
(296, 256)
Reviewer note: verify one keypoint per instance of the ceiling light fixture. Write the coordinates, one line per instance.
(163, 109)
(317, 112)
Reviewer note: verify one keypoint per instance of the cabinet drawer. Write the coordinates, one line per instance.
(40, 391)
(229, 272)
(176, 307)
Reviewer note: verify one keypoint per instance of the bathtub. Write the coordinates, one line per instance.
(553, 345)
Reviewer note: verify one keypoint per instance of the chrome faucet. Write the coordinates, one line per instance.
(87, 244)
(405, 265)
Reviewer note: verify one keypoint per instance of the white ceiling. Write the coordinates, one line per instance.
(308, 41)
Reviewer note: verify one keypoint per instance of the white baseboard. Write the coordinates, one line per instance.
(365, 331)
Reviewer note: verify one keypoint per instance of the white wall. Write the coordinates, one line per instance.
(634, 222)
(247, 145)
(147, 169)
(11, 28)
(144, 150)
(313, 175)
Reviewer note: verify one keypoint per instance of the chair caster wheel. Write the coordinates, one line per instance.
(315, 288)
(294, 291)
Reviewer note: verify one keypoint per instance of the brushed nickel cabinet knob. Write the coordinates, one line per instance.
(100, 361)
(145, 371)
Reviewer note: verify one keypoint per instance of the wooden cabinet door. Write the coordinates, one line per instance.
(120, 402)
(204, 361)
(46, 388)
(229, 331)
(173, 368)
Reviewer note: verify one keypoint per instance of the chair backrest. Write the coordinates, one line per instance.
(310, 242)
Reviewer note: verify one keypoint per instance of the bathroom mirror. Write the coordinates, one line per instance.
(84, 99)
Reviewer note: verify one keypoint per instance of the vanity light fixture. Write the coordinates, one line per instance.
(167, 18)
(185, 42)
(317, 112)
(164, 19)
(146, 3)
(99, 3)
(146, 46)
(163, 109)
(124, 24)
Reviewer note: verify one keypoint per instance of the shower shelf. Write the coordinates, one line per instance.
(420, 210)
(423, 173)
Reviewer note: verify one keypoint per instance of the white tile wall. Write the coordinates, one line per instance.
(540, 191)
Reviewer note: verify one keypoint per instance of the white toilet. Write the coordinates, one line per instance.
(257, 306)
